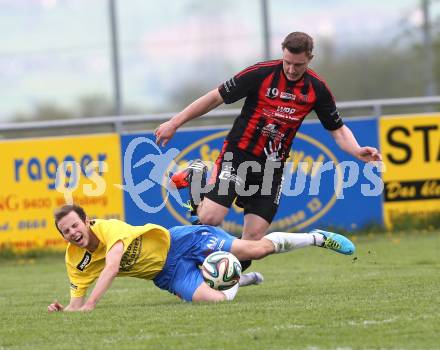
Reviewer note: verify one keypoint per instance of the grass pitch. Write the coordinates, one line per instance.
(385, 297)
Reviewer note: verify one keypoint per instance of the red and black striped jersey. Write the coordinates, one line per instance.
(275, 107)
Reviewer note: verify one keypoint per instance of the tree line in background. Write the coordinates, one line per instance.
(363, 73)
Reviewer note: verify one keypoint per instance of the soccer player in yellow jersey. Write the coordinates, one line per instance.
(103, 249)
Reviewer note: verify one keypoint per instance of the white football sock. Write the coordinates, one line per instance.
(285, 242)
(251, 278)
(231, 292)
(319, 239)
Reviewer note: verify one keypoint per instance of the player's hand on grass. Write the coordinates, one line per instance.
(165, 132)
(87, 307)
(369, 154)
(55, 306)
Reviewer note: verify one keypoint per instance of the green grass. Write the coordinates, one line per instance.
(386, 297)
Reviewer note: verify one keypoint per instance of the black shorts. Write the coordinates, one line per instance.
(253, 182)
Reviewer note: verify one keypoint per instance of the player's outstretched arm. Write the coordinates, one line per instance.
(201, 106)
(74, 305)
(348, 143)
(105, 279)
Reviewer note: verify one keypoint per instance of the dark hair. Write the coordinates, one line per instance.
(65, 210)
(298, 42)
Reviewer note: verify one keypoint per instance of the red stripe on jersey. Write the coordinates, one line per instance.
(218, 163)
(249, 131)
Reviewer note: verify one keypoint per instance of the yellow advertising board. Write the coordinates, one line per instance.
(410, 145)
(39, 175)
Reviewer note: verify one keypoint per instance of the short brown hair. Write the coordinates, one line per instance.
(298, 42)
(65, 210)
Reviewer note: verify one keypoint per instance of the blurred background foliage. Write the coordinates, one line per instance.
(57, 64)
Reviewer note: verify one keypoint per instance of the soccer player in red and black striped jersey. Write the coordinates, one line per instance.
(278, 94)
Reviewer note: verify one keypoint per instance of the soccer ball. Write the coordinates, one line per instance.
(221, 270)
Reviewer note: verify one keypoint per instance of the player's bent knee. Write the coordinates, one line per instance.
(207, 218)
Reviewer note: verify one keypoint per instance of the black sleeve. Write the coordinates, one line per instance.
(325, 107)
(240, 85)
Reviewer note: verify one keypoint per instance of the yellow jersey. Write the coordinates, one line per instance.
(145, 251)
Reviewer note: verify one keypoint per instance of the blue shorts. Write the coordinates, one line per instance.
(190, 245)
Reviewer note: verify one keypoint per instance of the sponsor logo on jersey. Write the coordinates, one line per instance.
(280, 115)
(303, 99)
(284, 95)
(85, 261)
(131, 255)
(287, 96)
(285, 113)
(286, 110)
(285, 116)
(270, 131)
